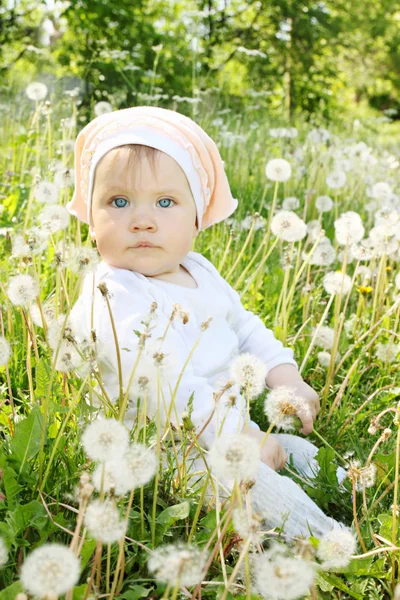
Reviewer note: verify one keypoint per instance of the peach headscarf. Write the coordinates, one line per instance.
(169, 131)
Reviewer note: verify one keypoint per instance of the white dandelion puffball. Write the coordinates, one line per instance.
(336, 548)
(247, 526)
(22, 290)
(291, 203)
(51, 569)
(36, 91)
(3, 552)
(349, 228)
(235, 456)
(5, 351)
(288, 226)
(54, 218)
(105, 439)
(249, 372)
(101, 108)
(325, 337)
(318, 135)
(336, 180)
(68, 358)
(324, 254)
(324, 359)
(179, 561)
(281, 577)
(397, 281)
(84, 260)
(49, 313)
(46, 192)
(323, 204)
(103, 521)
(387, 352)
(381, 191)
(278, 169)
(113, 474)
(142, 463)
(337, 282)
(281, 406)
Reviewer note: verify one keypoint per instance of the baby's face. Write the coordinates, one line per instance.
(130, 206)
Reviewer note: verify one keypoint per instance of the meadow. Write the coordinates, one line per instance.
(313, 249)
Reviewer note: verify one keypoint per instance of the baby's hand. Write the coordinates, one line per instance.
(272, 453)
(312, 408)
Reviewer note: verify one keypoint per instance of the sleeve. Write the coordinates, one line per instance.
(253, 336)
(130, 311)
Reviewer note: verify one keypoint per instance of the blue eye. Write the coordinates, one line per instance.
(115, 199)
(123, 200)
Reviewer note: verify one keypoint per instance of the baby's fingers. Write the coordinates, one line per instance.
(307, 420)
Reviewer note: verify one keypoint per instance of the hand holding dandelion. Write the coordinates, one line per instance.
(291, 396)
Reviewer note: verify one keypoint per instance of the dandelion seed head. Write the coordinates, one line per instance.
(84, 260)
(249, 372)
(325, 337)
(234, 456)
(324, 204)
(278, 169)
(287, 226)
(173, 562)
(349, 228)
(336, 180)
(50, 569)
(68, 358)
(105, 439)
(337, 282)
(336, 548)
(36, 91)
(54, 218)
(290, 203)
(281, 577)
(46, 192)
(22, 290)
(324, 359)
(387, 352)
(103, 521)
(281, 406)
(142, 463)
(116, 477)
(247, 526)
(49, 313)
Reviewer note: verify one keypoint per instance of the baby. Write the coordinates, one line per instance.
(148, 180)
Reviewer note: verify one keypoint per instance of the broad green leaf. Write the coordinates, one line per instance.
(11, 591)
(135, 592)
(26, 441)
(339, 584)
(11, 486)
(42, 378)
(173, 513)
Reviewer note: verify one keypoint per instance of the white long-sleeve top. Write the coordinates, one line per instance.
(233, 330)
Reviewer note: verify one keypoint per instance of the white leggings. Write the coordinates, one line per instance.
(278, 499)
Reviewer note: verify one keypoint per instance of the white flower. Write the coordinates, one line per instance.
(5, 351)
(387, 352)
(362, 251)
(287, 226)
(173, 562)
(337, 282)
(313, 229)
(324, 204)
(68, 358)
(103, 521)
(142, 463)
(281, 406)
(364, 272)
(51, 569)
(46, 192)
(281, 577)
(84, 260)
(234, 456)
(49, 313)
(397, 281)
(325, 337)
(101, 108)
(291, 203)
(336, 548)
(54, 218)
(381, 191)
(249, 372)
(364, 477)
(386, 217)
(3, 552)
(247, 525)
(34, 242)
(64, 177)
(324, 359)
(278, 169)
(105, 439)
(22, 290)
(349, 228)
(336, 180)
(324, 254)
(54, 332)
(36, 91)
